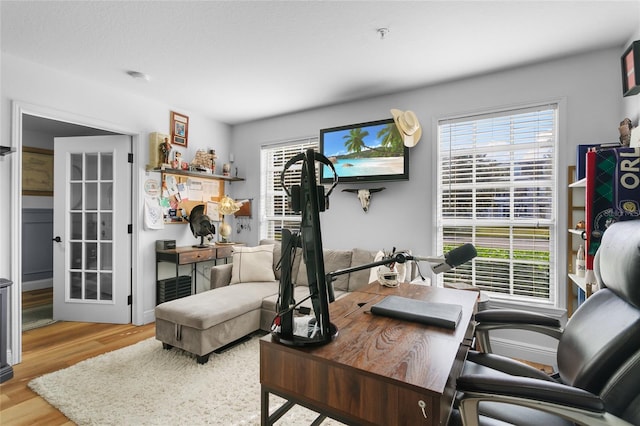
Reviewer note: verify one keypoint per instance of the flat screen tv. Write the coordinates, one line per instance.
(365, 152)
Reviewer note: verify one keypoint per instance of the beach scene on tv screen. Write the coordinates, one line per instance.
(365, 151)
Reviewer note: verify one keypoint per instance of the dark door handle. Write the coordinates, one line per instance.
(57, 240)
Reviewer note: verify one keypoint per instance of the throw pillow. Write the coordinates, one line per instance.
(252, 264)
(277, 250)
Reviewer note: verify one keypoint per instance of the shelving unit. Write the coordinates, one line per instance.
(577, 289)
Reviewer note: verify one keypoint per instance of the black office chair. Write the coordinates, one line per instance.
(598, 355)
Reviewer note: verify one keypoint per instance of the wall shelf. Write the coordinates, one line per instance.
(201, 175)
(579, 281)
(582, 183)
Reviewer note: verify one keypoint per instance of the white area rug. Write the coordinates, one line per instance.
(144, 384)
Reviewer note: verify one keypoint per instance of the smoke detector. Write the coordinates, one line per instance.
(137, 75)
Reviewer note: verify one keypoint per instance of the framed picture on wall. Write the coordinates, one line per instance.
(631, 70)
(37, 171)
(179, 129)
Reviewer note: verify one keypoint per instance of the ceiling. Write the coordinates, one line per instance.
(239, 61)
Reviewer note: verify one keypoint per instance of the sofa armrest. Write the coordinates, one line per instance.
(220, 276)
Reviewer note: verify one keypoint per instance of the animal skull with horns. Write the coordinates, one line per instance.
(364, 195)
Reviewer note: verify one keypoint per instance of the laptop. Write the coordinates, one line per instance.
(429, 313)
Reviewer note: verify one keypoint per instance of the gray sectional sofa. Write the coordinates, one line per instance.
(243, 297)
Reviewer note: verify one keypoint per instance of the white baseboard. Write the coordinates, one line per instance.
(37, 285)
(522, 350)
(148, 317)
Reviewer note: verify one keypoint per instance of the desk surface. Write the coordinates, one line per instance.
(190, 254)
(375, 360)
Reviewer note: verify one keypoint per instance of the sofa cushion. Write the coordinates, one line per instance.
(209, 308)
(333, 261)
(360, 279)
(252, 264)
(299, 293)
(277, 254)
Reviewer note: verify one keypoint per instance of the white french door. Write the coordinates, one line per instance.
(92, 243)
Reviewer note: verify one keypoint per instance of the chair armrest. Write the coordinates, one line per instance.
(513, 316)
(532, 389)
(220, 276)
(502, 319)
(501, 364)
(573, 404)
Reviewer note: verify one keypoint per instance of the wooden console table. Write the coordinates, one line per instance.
(378, 370)
(188, 255)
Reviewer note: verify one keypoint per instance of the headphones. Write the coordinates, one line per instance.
(294, 194)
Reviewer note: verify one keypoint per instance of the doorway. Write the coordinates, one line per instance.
(38, 133)
(47, 116)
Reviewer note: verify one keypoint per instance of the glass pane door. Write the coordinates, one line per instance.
(90, 272)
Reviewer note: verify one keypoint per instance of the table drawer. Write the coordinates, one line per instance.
(224, 252)
(197, 256)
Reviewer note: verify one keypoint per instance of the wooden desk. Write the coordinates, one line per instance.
(378, 370)
(188, 255)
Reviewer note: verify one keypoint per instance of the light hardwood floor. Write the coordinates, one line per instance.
(33, 298)
(57, 346)
(52, 348)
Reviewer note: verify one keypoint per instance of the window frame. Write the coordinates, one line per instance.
(555, 297)
(272, 222)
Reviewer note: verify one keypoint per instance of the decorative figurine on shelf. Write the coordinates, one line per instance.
(177, 160)
(204, 161)
(625, 131)
(166, 149)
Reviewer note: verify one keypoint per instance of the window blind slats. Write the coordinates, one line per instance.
(275, 212)
(497, 190)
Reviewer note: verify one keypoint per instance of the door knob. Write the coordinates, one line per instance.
(57, 239)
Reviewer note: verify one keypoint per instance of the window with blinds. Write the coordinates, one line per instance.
(497, 190)
(275, 212)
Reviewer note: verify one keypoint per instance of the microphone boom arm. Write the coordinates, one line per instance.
(452, 259)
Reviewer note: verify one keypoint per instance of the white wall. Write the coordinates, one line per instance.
(33, 84)
(404, 214)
